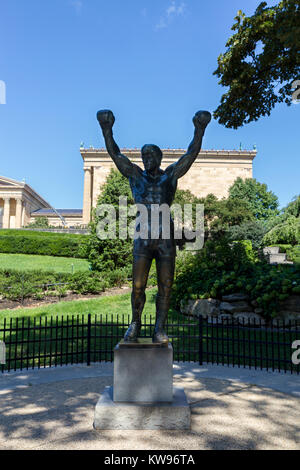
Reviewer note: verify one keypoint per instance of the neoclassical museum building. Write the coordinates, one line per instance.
(214, 171)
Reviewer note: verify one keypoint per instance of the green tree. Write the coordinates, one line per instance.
(253, 230)
(262, 203)
(293, 208)
(260, 64)
(220, 214)
(286, 232)
(285, 228)
(40, 222)
(110, 254)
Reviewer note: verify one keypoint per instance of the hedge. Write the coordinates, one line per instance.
(42, 243)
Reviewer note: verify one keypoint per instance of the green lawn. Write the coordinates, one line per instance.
(45, 263)
(111, 305)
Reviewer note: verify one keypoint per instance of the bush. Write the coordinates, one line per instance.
(286, 232)
(40, 284)
(42, 243)
(252, 230)
(40, 222)
(221, 269)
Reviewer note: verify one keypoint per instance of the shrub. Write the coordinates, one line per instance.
(286, 232)
(40, 222)
(253, 230)
(41, 243)
(40, 284)
(223, 268)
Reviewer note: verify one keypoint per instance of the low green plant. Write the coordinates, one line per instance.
(226, 268)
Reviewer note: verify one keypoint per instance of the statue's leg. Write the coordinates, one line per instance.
(165, 267)
(141, 267)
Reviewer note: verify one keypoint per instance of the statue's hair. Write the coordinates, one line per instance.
(154, 148)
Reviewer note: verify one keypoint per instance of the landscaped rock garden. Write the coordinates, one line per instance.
(238, 308)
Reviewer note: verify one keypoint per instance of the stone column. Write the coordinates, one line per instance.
(6, 213)
(18, 213)
(87, 196)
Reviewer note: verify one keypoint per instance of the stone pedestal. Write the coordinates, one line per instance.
(143, 372)
(142, 396)
(139, 416)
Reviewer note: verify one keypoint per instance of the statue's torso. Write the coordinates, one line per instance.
(150, 192)
(147, 189)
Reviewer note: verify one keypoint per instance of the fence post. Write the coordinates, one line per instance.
(89, 340)
(200, 340)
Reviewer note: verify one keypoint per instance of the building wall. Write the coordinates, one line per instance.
(17, 201)
(214, 171)
(56, 222)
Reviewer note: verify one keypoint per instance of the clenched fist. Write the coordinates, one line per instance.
(201, 119)
(105, 118)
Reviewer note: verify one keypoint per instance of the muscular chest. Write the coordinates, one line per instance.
(148, 190)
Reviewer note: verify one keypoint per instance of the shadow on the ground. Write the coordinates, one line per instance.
(224, 416)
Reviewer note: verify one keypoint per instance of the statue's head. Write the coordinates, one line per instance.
(151, 156)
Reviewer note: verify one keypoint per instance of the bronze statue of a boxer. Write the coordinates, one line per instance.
(150, 187)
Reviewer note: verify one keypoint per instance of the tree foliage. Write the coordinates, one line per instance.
(260, 64)
(253, 230)
(40, 222)
(262, 203)
(109, 254)
(286, 232)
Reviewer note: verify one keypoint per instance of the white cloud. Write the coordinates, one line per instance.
(161, 24)
(174, 9)
(77, 5)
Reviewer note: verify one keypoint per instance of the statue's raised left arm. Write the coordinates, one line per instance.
(182, 166)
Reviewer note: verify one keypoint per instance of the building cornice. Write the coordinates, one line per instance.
(101, 153)
(16, 188)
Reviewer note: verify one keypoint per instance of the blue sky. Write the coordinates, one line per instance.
(150, 61)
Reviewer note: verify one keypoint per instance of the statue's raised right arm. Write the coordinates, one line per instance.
(180, 168)
(106, 120)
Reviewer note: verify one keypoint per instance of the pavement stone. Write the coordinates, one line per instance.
(231, 409)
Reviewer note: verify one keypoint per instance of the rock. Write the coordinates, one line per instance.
(291, 304)
(241, 306)
(287, 315)
(271, 250)
(235, 297)
(249, 317)
(201, 307)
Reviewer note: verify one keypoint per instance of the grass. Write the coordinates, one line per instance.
(22, 262)
(106, 305)
(57, 334)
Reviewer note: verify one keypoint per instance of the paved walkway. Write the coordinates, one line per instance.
(231, 409)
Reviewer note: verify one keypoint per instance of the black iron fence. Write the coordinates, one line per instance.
(55, 341)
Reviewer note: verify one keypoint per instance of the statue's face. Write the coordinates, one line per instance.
(151, 157)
